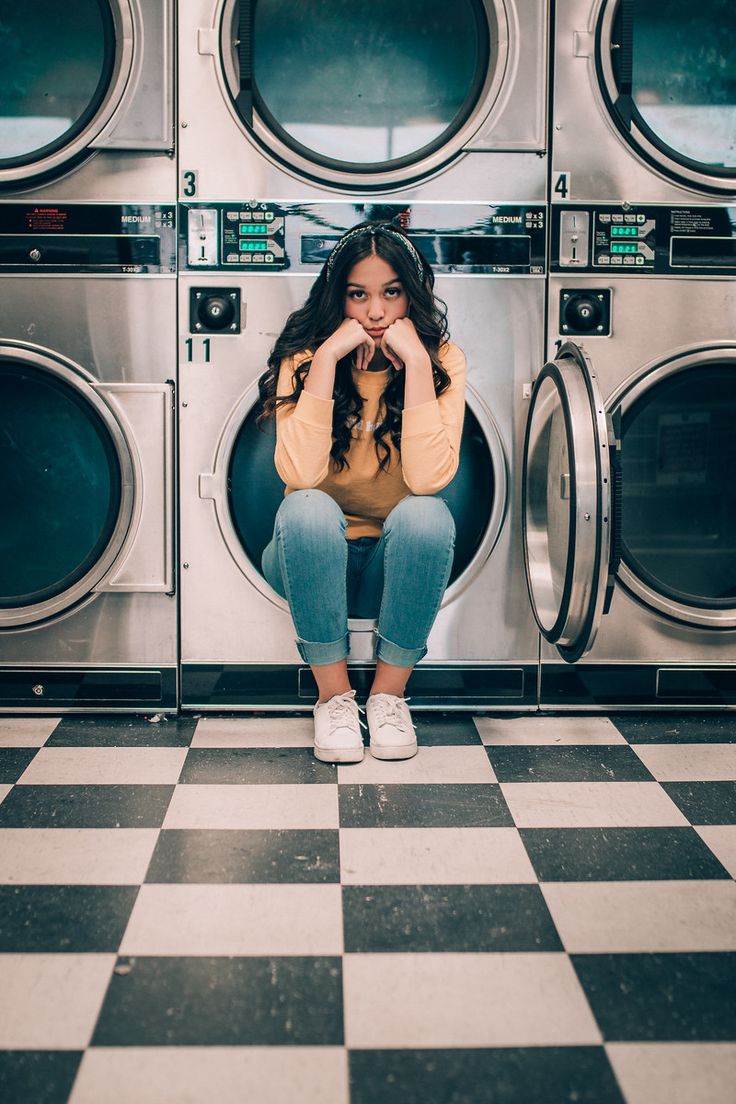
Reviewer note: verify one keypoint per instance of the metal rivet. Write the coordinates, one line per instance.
(185, 565)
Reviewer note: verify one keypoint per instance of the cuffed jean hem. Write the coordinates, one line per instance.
(317, 654)
(391, 653)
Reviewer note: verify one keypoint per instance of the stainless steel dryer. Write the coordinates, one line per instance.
(629, 490)
(88, 616)
(86, 101)
(644, 102)
(286, 100)
(243, 269)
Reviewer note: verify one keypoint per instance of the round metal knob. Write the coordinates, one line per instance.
(216, 312)
(582, 312)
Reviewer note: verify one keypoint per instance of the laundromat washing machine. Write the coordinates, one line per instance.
(243, 269)
(288, 101)
(297, 121)
(644, 102)
(629, 493)
(88, 618)
(86, 101)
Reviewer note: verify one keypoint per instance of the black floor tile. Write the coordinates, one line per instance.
(507, 1075)
(264, 766)
(619, 854)
(224, 1002)
(37, 1076)
(444, 729)
(423, 806)
(568, 763)
(120, 731)
(13, 761)
(85, 806)
(661, 997)
(703, 802)
(251, 855)
(55, 918)
(676, 728)
(437, 918)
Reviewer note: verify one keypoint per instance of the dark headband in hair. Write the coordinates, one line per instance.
(372, 231)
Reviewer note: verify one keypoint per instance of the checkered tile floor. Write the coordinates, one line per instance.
(534, 909)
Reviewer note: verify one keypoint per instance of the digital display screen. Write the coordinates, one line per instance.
(624, 232)
(253, 228)
(706, 252)
(624, 247)
(253, 246)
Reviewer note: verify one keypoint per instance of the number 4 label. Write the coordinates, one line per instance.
(562, 185)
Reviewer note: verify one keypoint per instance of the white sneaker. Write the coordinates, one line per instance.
(337, 735)
(391, 728)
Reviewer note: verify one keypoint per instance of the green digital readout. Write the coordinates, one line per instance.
(624, 232)
(253, 246)
(253, 228)
(624, 247)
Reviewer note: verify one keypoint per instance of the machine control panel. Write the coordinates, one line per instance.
(652, 239)
(115, 238)
(242, 236)
(259, 236)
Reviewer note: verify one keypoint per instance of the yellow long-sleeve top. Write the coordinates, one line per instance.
(430, 445)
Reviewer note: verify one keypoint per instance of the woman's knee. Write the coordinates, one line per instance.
(310, 510)
(425, 517)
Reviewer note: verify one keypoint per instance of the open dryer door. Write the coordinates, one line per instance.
(571, 503)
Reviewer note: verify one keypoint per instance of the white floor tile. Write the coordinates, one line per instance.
(235, 920)
(430, 764)
(643, 917)
(244, 732)
(721, 838)
(464, 1000)
(26, 731)
(675, 1073)
(689, 762)
(433, 856)
(268, 806)
(106, 766)
(75, 856)
(523, 731)
(223, 1075)
(51, 1002)
(590, 805)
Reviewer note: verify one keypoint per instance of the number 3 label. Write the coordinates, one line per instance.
(562, 185)
(189, 183)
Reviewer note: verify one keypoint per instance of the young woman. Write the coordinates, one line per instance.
(369, 397)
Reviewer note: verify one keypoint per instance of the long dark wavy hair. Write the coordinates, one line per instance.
(324, 310)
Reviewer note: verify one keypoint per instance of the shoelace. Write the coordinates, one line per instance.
(389, 711)
(340, 710)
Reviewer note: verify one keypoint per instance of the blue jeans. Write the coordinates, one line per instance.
(398, 578)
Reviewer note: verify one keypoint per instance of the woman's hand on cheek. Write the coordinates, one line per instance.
(401, 344)
(348, 336)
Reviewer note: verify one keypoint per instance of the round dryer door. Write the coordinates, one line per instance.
(66, 494)
(64, 71)
(363, 97)
(678, 456)
(570, 498)
(667, 76)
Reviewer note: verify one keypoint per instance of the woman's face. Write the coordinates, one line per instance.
(375, 295)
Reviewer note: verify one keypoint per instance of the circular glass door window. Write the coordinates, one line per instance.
(57, 64)
(357, 88)
(678, 453)
(60, 491)
(681, 57)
